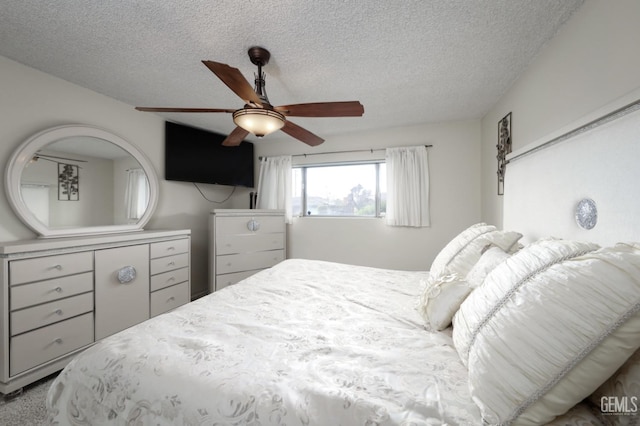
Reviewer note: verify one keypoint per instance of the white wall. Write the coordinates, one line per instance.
(599, 164)
(32, 101)
(454, 194)
(591, 62)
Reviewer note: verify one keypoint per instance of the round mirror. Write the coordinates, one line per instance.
(80, 180)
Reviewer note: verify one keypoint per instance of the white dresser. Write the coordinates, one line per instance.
(61, 295)
(243, 242)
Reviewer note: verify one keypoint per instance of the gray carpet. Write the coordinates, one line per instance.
(27, 409)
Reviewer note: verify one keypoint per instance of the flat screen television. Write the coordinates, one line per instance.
(197, 155)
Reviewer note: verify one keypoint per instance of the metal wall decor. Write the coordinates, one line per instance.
(586, 213)
(68, 184)
(504, 148)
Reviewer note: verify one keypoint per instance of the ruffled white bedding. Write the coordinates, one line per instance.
(303, 343)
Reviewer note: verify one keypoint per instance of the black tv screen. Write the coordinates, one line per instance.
(196, 155)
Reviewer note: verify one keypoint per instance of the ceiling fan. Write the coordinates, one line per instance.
(258, 115)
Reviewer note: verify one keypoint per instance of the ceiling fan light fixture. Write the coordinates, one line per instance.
(258, 121)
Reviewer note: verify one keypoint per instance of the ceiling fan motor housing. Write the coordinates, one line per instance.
(259, 55)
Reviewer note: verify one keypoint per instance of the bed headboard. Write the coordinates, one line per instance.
(597, 158)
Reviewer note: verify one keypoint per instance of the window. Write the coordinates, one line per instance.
(340, 190)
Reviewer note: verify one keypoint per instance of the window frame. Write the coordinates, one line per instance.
(303, 187)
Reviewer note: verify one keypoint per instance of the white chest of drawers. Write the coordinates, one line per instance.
(243, 242)
(60, 295)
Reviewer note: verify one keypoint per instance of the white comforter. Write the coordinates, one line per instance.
(305, 342)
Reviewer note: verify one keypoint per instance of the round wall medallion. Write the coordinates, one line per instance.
(586, 213)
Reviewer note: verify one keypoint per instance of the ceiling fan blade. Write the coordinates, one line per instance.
(153, 109)
(234, 79)
(323, 109)
(301, 134)
(235, 137)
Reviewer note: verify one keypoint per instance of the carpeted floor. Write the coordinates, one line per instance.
(27, 409)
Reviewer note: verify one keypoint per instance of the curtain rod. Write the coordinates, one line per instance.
(343, 152)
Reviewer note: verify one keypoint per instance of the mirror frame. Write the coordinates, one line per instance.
(25, 152)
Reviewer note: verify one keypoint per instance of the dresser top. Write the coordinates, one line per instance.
(53, 244)
(247, 212)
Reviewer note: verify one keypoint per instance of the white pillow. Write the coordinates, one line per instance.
(454, 246)
(441, 299)
(580, 415)
(487, 263)
(547, 327)
(443, 295)
(462, 252)
(621, 393)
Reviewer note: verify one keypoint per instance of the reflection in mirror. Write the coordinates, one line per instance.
(80, 180)
(84, 181)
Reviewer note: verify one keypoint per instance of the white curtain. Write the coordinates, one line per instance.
(408, 186)
(136, 194)
(274, 185)
(36, 197)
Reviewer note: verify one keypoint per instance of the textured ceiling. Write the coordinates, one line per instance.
(407, 61)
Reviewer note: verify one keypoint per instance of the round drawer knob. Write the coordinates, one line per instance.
(58, 289)
(58, 312)
(253, 225)
(58, 341)
(126, 274)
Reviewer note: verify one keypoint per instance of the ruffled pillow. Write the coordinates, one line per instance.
(580, 415)
(462, 252)
(619, 396)
(491, 258)
(547, 327)
(441, 299)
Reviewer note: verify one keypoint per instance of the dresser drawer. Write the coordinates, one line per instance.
(46, 291)
(169, 298)
(169, 263)
(226, 280)
(168, 248)
(44, 344)
(170, 278)
(239, 225)
(229, 244)
(38, 316)
(247, 261)
(42, 268)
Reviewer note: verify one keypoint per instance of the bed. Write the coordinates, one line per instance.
(305, 342)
